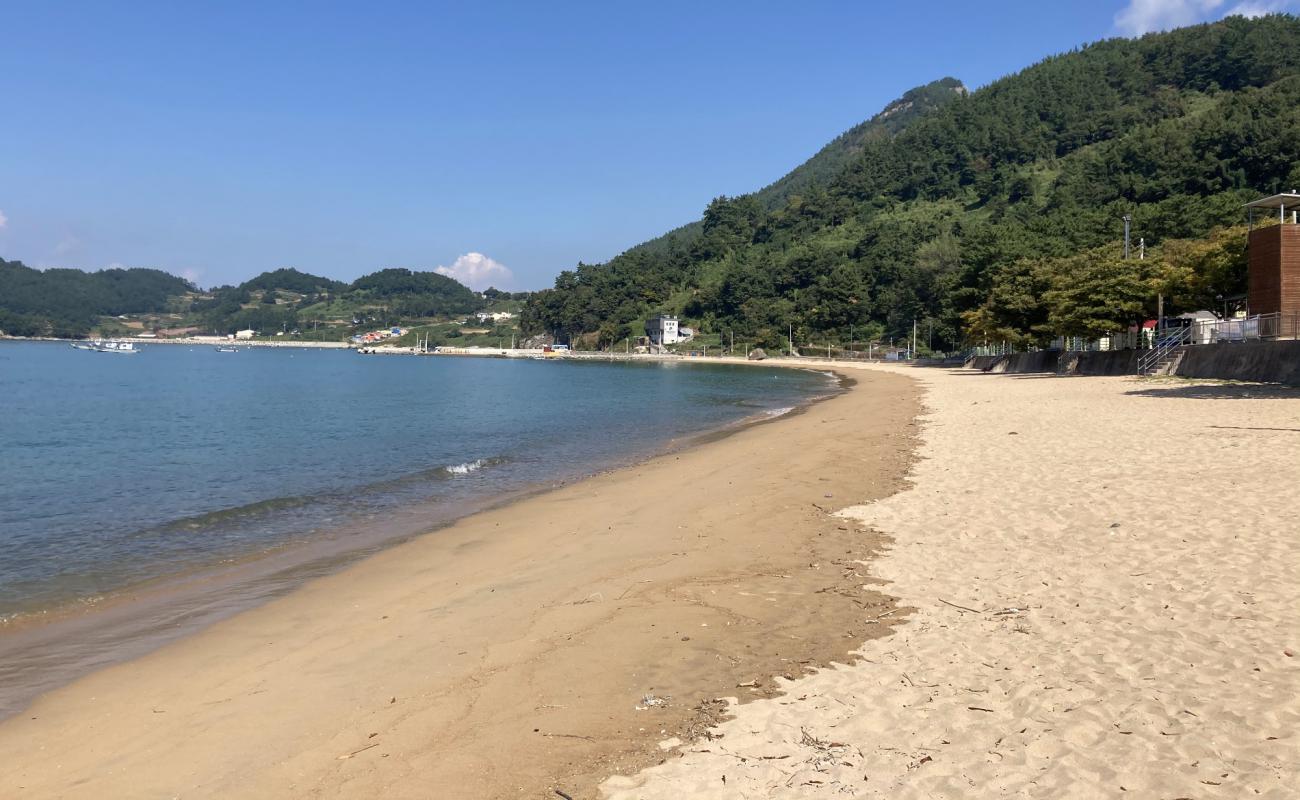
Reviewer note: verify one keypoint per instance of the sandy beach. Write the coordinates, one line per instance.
(1084, 587)
(1104, 577)
(544, 645)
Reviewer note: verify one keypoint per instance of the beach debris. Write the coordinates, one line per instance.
(567, 736)
(979, 708)
(875, 620)
(826, 754)
(963, 608)
(754, 684)
(562, 794)
(346, 756)
(652, 701)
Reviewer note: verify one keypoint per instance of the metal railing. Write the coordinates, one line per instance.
(1162, 349)
(1262, 327)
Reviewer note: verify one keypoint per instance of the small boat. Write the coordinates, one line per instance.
(106, 346)
(221, 348)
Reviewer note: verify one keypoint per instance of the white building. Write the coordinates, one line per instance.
(244, 334)
(662, 330)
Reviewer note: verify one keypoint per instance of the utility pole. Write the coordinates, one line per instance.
(913, 353)
(789, 332)
(1128, 224)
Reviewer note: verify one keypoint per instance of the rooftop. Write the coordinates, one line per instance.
(1284, 200)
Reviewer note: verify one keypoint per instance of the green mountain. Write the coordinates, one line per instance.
(68, 302)
(291, 280)
(834, 157)
(72, 303)
(289, 299)
(418, 294)
(977, 216)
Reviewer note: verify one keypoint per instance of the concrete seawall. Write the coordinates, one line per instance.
(1264, 362)
(1267, 362)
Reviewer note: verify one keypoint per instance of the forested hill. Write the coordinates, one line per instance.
(983, 217)
(834, 157)
(72, 303)
(67, 302)
(831, 160)
(286, 299)
(291, 280)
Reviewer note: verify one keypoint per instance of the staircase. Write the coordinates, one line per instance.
(1165, 353)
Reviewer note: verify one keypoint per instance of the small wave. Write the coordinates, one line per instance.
(468, 467)
(211, 519)
(773, 413)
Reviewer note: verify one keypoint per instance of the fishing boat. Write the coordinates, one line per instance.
(106, 346)
(222, 348)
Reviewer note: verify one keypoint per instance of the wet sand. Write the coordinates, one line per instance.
(540, 646)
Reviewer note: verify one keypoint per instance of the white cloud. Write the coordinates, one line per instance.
(1258, 8)
(478, 272)
(3, 220)
(66, 245)
(1145, 16)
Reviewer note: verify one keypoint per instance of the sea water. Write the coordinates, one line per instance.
(120, 471)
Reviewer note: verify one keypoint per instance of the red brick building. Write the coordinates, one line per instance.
(1273, 279)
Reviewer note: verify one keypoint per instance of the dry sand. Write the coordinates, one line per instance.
(507, 656)
(1105, 577)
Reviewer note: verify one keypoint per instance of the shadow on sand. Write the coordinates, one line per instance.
(1221, 391)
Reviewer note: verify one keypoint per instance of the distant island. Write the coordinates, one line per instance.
(69, 303)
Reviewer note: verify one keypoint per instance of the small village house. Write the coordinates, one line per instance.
(662, 330)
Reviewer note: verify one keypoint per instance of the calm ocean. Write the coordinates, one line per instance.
(119, 471)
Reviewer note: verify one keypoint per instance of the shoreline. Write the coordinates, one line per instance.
(120, 680)
(55, 646)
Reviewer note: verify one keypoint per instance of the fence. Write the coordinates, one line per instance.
(1262, 327)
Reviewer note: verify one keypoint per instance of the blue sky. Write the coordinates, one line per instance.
(501, 141)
